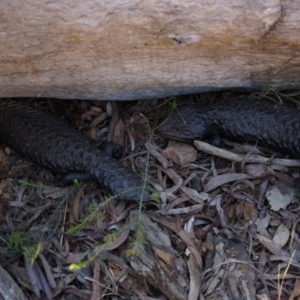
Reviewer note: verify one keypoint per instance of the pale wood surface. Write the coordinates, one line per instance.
(118, 49)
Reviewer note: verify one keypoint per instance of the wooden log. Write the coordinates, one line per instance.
(133, 49)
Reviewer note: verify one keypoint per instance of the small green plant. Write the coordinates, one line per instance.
(33, 251)
(29, 184)
(111, 241)
(112, 237)
(95, 213)
(28, 243)
(77, 183)
(154, 194)
(280, 285)
(10, 243)
(16, 241)
(286, 89)
(170, 105)
(79, 265)
(138, 237)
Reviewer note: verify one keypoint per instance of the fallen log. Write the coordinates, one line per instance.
(121, 50)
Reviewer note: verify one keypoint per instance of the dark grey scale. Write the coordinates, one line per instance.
(57, 146)
(245, 119)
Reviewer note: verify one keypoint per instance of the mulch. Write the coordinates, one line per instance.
(222, 223)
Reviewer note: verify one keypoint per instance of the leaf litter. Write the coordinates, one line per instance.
(223, 223)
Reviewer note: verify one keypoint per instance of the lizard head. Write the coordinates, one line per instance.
(184, 125)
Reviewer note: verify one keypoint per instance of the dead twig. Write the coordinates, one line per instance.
(253, 158)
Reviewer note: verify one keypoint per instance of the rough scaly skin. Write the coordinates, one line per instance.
(246, 118)
(57, 146)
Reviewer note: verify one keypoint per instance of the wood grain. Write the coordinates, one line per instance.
(121, 50)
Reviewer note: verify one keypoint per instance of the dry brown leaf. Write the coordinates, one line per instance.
(90, 113)
(93, 133)
(215, 282)
(96, 281)
(222, 179)
(76, 257)
(258, 170)
(48, 271)
(279, 201)
(131, 138)
(231, 211)
(271, 246)
(193, 194)
(183, 210)
(296, 291)
(262, 297)
(195, 278)
(264, 221)
(232, 268)
(181, 153)
(96, 108)
(5, 187)
(174, 226)
(74, 213)
(2, 213)
(119, 133)
(250, 213)
(53, 192)
(3, 156)
(262, 225)
(281, 236)
(154, 152)
(99, 119)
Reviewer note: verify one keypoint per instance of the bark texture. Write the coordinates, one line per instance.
(140, 49)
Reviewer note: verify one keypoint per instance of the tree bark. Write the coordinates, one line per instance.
(118, 49)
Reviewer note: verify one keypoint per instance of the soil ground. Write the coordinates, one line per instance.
(215, 228)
